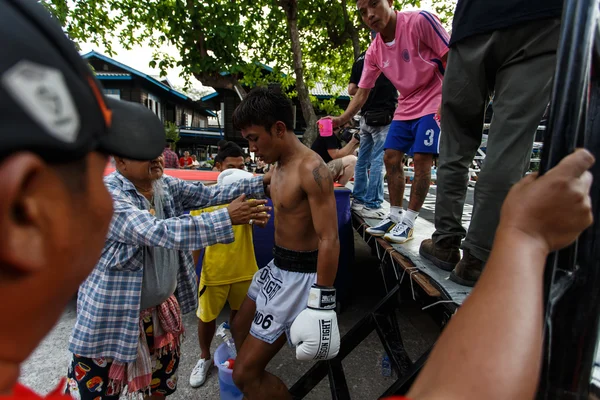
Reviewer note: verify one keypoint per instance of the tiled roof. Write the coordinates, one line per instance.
(319, 90)
(131, 72)
(134, 72)
(111, 74)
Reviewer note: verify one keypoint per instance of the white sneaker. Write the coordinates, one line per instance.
(382, 228)
(374, 213)
(401, 233)
(200, 372)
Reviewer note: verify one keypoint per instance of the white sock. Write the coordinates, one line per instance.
(409, 218)
(396, 214)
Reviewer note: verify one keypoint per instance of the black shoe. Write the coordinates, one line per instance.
(467, 270)
(444, 254)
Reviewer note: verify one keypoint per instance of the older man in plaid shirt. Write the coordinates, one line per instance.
(128, 327)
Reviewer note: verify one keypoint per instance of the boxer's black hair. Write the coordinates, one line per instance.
(264, 107)
(229, 149)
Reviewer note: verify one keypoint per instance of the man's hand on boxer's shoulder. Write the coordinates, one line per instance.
(253, 212)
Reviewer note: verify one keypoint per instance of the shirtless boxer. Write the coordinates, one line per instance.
(293, 296)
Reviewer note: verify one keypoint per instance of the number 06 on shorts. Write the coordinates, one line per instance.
(264, 321)
(280, 296)
(421, 135)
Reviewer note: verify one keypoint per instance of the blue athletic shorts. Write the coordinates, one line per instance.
(421, 135)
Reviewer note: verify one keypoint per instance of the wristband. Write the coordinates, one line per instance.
(321, 298)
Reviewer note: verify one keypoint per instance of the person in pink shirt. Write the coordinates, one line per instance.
(410, 49)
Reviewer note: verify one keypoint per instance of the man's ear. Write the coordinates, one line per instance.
(120, 162)
(280, 129)
(25, 206)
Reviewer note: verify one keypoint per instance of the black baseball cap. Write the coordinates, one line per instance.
(50, 101)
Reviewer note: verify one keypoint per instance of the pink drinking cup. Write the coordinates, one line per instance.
(325, 127)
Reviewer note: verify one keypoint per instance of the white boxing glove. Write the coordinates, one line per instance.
(232, 175)
(315, 331)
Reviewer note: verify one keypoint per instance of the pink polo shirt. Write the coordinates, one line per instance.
(412, 63)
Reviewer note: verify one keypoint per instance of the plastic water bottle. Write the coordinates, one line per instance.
(386, 366)
(224, 332)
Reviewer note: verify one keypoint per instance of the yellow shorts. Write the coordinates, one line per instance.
(211, 299)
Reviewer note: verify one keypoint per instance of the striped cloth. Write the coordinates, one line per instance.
(167, 334)
(108, 304)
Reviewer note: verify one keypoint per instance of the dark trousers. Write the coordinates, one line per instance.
(517, 65)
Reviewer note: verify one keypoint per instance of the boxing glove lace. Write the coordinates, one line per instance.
(315, 331)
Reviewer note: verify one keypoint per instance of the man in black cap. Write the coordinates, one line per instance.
(56, 133)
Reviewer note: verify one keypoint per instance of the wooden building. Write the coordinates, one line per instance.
(169, 105)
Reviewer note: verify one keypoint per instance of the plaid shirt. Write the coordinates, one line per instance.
(171, 159)
(108, 304)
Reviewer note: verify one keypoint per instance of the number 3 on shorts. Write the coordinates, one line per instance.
(430, 135)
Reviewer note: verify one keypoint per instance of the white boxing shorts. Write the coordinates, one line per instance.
(280, 291)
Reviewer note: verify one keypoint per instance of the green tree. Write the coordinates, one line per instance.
(172, 132)
(304, 41)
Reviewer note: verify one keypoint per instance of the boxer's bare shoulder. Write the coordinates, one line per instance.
(294, 228)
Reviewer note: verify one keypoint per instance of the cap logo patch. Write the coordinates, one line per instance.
(42, 92)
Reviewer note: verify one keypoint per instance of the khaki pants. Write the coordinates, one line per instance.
(336, 168)
(517, 65)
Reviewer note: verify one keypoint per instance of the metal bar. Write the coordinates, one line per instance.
(402, 385)
(563, 375)
(596, 54)
(539, 128)
(337, 380)
(577, 314)
(349, 342)
(386, 327)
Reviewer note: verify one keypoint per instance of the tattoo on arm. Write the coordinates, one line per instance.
(321, 174)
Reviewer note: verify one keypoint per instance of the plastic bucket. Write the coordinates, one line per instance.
(226, 386)
(325, 127)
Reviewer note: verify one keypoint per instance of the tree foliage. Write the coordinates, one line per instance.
(234, 36)
(172, 132)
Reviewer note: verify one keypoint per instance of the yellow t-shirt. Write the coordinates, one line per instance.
(224, 264)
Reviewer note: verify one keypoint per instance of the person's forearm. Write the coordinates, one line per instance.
(504, 311)
(140, 228)
(348, 149)
(252, 187)
(199, 196)
(327, 264)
